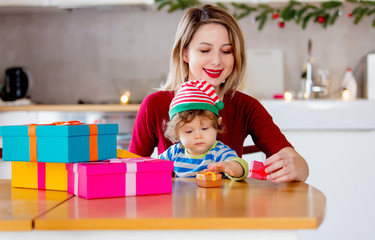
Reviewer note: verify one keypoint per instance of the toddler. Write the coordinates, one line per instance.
(194, 124)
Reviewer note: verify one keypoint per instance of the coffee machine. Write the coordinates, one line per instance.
(16, 84)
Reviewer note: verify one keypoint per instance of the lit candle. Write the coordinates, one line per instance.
(288, 96)
(345, 95)
(125, 97)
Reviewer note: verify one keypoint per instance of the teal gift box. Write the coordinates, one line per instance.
(59, 143)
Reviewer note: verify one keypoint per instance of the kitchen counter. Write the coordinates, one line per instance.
(74, 108)
(253, 204)
(322, 114)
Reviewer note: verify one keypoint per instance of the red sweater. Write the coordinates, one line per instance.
(242, 115)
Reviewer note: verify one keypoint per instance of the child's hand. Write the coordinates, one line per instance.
(231, 167)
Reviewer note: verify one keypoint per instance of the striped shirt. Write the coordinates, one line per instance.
(186, 165)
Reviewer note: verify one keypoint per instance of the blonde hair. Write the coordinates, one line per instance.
(193, 19)
(181, 118)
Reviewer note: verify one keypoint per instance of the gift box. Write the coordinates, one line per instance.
(40, 175)
(151, 206)
(209, 179)
(120, 177)
(59, 143)
(121, 153)
(256, 170)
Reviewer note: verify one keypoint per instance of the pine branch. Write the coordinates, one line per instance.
(325, 14)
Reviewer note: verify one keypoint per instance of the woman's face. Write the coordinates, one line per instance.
(210, 54)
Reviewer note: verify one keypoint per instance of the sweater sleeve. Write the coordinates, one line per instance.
(245, 167)
(251, 119)
(142, 141)
(225, 153)
(169, 153)
(265, 133)
(148, 130)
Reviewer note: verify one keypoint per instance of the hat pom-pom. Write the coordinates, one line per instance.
(220, 105)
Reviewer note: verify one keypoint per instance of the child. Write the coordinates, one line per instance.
(194, 123)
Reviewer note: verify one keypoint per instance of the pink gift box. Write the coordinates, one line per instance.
(120, 177)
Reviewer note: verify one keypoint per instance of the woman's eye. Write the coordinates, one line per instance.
(188, 131)
(205, 128)
(227, 52)
(204, 51)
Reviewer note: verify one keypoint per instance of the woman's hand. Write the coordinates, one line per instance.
(230, 167)
(286, 166)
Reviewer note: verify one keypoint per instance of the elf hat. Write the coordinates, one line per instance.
(193, 95)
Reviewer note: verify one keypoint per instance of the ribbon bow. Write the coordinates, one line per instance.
(213, 175)
(93, 138)
(66, 123)
(130, 160)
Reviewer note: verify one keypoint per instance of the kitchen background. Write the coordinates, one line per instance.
(95, 54)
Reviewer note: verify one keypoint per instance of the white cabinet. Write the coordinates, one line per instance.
(337, 139)
(17, 118)
(341, 166)
(24, 3)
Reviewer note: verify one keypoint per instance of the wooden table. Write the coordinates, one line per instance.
(19, 207)
(251, 204)
(249, 207)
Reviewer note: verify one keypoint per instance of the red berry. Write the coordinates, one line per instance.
(350, 15)
(275, 15)
(321, 19)
(281, 24)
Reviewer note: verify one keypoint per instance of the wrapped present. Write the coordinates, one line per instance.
(63, 142)
(121, 153)
(120, 177)
(257, 170)
(209, 179)
(151, 206)
(39, 175)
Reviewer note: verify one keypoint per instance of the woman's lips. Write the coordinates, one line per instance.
(213, 73)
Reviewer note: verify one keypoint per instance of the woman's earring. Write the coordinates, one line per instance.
(223, 81)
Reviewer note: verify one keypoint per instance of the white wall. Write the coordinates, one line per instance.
(94, 55)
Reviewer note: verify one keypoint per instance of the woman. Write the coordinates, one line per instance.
(209, 45)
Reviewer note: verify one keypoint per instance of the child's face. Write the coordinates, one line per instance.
(198, 135)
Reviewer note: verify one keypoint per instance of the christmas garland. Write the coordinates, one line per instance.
(325, 13)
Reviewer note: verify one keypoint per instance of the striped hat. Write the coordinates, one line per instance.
(195, 94)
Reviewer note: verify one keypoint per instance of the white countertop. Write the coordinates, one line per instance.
(322, 114)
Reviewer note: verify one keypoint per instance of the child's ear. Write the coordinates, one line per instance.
(220, 120)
